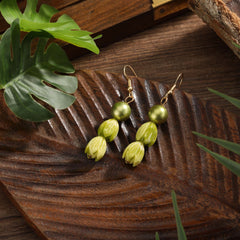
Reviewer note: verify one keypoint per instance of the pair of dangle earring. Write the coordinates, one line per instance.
(108, 130)
(147, 133)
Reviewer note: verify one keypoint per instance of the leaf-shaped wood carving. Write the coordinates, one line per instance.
(64, 195)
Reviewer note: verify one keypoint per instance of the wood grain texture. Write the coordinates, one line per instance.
(112, 19)
(12, 224)
(182, 44)
(234, 6)
(64, 195)
(172, 7)
(95, 16)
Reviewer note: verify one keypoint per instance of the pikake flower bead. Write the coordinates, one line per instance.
(147, 133)
(96, 148)
(109, 129)
(134, 153)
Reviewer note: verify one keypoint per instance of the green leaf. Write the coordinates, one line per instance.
(65, 28)
(234, 147)
(180, 229)
(228, 163)
(157, 236)
(24, 77)
(234, 101)
(235, 44)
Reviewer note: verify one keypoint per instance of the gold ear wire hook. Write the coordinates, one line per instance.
(130, 97)
(176, 84)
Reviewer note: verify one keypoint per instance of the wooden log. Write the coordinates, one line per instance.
(223, 17)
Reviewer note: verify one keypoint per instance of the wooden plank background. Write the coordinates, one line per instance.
(181, 44)
(115, 20)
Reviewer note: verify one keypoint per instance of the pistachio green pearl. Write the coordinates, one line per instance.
(121, 111)
(158, 114)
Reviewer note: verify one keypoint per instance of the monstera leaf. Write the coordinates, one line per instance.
(65, 29)
(23, 76)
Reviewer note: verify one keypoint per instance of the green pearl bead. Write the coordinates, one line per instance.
(121, 111)
(158, 114)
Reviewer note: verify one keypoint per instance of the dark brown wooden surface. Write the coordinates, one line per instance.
(183, 44)
(66, 196)
(96, 16)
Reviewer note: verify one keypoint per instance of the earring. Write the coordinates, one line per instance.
(147, 133)
(108, 130)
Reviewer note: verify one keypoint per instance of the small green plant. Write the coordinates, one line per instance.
(23, 75)
(230, 164)
(26, 77)
(65, 28)
(234, 147)
(180, 230)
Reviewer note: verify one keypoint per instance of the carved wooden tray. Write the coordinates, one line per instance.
(64, 195)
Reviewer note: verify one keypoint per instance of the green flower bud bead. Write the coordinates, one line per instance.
(96, 148)
(158, 114)
(109, 129)
(134, 153)
(121, 111)
(147, 133)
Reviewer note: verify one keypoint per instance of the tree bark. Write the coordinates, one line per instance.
(222, 17)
